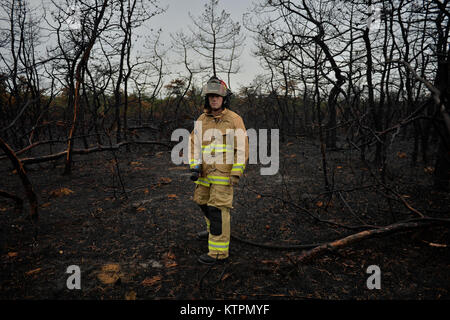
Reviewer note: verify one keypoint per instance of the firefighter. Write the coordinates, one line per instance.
(217, 156)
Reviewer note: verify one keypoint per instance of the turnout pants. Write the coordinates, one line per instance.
(216, 202)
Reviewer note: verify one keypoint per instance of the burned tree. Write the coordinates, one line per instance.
(218, 39)
(91, 29)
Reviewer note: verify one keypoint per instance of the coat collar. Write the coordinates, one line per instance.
(220, 115)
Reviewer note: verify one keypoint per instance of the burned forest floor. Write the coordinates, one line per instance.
(130, 226)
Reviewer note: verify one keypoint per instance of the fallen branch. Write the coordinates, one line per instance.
(350, 208)
(276, 246)
(363, 235)
(31, 146)
(402, 200)
(330, 222)
(62, 154)
(32, 198)
(38, 143)
(19, 201)
(141, 203)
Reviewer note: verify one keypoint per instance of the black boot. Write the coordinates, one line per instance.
(206, 259)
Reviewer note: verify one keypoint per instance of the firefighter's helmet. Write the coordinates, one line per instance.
(219, 87)
(215, 86)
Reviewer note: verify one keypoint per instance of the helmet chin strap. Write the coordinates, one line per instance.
(220, 109)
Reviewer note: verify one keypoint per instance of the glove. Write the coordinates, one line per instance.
(234, 180)
(194, 176)
(195, 172)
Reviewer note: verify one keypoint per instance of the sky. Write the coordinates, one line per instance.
(176, 18)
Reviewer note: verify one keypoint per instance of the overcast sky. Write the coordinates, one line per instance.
(176, 18)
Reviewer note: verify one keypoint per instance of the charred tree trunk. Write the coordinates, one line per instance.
(32, 198)
(442, 172)
(18, 201)
(78, 77)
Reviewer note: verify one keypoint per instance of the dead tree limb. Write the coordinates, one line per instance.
(31, 146)
(39, 143)
(363, 235)
(435, 92)
(19, 201)
(32, 198)
(100, 148)
(29, 102)
(78, 77)
(309, 213)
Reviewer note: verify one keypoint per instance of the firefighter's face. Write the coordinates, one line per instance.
(215, 101)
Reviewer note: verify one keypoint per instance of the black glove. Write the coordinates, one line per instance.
(195, 172)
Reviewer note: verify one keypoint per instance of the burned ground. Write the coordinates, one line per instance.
(143, 246)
